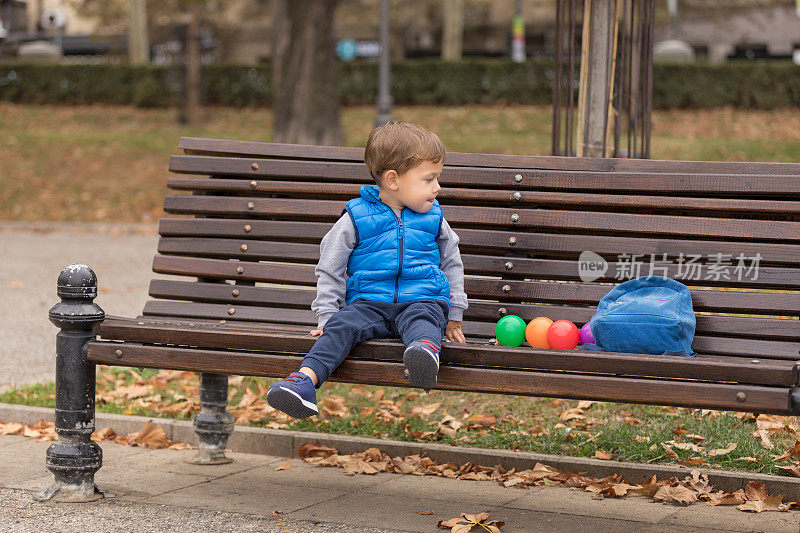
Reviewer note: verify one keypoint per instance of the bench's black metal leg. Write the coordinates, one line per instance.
(213, 424)
(75, 458)
(794, 401)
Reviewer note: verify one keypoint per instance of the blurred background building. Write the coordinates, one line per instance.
(239, 31)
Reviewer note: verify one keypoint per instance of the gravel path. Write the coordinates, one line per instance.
(20, 515)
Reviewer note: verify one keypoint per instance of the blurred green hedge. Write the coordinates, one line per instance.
(745, 84)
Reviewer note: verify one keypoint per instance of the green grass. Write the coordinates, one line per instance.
(525, 424)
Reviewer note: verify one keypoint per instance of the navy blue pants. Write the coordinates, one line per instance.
(363, 320)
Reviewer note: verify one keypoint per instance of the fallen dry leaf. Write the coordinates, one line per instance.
(466, 522)
(284, 465)
(572, 414)
(602, 454)
(425, 512)
(618, 490)
(150, 436)
(334, 406)
(425, 410)
(794, 451)
(755, 490)
(763, 435)
(793, 469)
(772, 503)
(10, 429)
(669, 452)
(737, 498)
(482, 420)
(694, 461)
(685, 446)
(678, 493)
(722, 451)
(313, 449)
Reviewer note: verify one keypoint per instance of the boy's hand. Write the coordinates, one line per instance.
(454, 333)
(315, 332)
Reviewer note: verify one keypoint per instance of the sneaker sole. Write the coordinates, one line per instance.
(421, 366)
(291, 403)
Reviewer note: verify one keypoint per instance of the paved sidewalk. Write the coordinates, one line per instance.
(34, 254)
(157, 491)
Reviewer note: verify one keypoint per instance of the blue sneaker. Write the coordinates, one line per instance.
(422, 365)
(296, 396)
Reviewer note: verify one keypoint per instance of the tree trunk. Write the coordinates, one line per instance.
(305, 84)
(453, 31)
(138, 40)
(193, 67)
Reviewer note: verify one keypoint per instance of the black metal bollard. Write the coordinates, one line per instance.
(75, 458)
(213, 424)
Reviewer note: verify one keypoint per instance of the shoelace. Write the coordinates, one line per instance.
(295, 376)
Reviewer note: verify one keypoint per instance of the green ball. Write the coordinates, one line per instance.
(510, 331)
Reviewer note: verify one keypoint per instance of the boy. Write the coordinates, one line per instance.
(406, 278)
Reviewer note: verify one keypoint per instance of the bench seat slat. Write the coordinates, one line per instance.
(530, 291)
(229, 336)
(300, 151)
(531, 383)
(321, 190)
(729, 346)
(578, 221)
(475, 240)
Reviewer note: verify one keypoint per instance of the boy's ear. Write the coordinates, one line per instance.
(390, 180)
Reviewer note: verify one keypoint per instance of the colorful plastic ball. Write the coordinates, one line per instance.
(562, 335)
(586, 336)
(510, 331)
(536, 332)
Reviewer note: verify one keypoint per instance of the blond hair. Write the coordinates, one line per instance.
(400, 146)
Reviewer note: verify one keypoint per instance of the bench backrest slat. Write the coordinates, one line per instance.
(453, 195)
(521, 179)
(194, 145)
(486, 241)
(538, 291)
(457, 215)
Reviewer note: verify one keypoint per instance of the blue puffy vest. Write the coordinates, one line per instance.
(394, 260)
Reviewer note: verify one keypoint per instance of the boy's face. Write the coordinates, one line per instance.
(417, 187)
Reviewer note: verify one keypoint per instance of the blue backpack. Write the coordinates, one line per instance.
(649, 314)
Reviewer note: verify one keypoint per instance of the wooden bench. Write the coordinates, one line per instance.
(248, 240)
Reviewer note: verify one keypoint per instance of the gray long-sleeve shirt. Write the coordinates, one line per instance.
(334, 254)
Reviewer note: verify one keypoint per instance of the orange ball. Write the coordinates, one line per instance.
(536, 332)
(563, 335)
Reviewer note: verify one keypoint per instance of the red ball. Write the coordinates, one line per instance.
(563, 335)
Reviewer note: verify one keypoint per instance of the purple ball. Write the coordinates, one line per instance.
(586, 336)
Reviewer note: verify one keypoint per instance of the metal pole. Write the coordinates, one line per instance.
(75, 458)
(384, 91)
